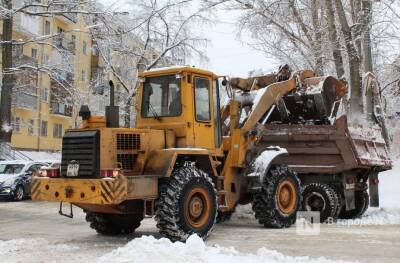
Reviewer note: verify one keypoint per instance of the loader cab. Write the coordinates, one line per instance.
(183, 101)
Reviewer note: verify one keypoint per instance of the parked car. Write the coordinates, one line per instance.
(15, 178)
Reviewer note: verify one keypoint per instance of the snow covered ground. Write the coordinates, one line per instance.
(48, 237)
(143, 249)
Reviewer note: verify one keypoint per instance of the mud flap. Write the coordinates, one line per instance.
(349, 193)
(374, 190)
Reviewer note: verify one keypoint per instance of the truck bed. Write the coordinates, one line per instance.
(328, 149)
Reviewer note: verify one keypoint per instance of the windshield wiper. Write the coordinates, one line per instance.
(152, 110)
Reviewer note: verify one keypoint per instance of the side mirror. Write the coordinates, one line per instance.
(224, 82)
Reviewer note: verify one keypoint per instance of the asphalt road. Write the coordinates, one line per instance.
(50, 237)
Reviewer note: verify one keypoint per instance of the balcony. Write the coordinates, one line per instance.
(62, 42)
(25, 24)
(20, 59)
(63, 62)
(25, 100)
(61, 109)
(66, 17)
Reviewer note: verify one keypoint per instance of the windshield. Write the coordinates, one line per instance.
(161, 97)
(11, 168)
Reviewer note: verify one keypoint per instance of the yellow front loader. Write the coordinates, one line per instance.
(188, 162)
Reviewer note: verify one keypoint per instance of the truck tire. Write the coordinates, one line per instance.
(321, 198)
(224, 216)
(279, 200)
(187, 204)
(110, 224)
(361, 204)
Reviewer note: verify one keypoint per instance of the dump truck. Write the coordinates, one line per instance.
(338, 162)
(188, 162)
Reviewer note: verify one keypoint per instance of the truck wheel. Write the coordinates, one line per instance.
(187, 204)
(224, 216)
(321, 198)
(279, 200)
(361, 204)
(110, 224)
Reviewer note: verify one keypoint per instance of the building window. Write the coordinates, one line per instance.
(83, 75)
(45, 94)
(46, 59)
(17, 125)
(57, 131)
(34, 53)
(73, 42)
(31, 125)
(47, 30)
(84, 47)
(43, 130)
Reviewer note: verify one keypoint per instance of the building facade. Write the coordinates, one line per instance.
(52, 79)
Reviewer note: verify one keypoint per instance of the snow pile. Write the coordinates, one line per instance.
(149, 249)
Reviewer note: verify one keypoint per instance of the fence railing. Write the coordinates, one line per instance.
(8, 153)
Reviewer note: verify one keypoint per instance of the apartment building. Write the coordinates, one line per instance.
(53, 81)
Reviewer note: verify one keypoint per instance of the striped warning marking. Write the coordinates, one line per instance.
(35, 189)
(106, 192)
(119, 189)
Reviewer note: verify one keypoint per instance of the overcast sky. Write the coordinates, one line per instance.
(227, 55)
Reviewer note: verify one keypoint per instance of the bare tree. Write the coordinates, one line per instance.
(154, 35)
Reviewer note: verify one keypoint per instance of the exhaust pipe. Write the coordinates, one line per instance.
(112, 111)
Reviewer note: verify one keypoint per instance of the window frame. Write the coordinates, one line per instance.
(31, 127)
(45, 28)
(42, 134)
(209, 98)
(162, 116)
(84, 47)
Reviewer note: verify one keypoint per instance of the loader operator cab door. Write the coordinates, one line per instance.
(207, 124)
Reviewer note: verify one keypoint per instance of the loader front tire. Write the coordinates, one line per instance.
(187, 204)
(110, 224)
(279, 199)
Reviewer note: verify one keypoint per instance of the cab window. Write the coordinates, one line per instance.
(161, 97)
(202, 99)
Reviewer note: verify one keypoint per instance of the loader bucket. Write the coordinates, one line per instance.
(312, 103)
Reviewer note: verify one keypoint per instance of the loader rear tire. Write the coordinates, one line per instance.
(110, 224)
(187, 204)
(321, 198)
(361, 203)
(279, 199)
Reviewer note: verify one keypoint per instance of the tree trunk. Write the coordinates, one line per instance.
(317, 37)
(366, 35)
(355, 7)
(333, 38)
(356, 109)
(8, 80)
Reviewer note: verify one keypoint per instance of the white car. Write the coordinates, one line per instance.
(16, 177)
